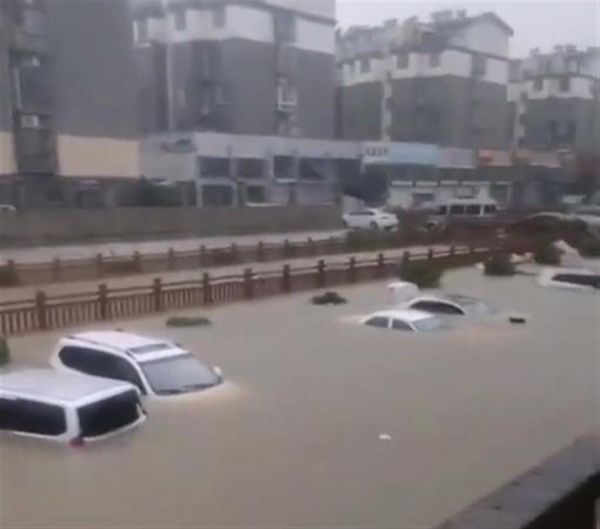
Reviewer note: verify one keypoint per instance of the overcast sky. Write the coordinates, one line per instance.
(537, 24)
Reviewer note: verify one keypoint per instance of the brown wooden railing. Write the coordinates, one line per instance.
(44, 312)
(104, 266)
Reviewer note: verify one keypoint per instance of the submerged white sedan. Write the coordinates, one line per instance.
(450, 304)
(405, 320)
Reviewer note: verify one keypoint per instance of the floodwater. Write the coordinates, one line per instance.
(293, 438)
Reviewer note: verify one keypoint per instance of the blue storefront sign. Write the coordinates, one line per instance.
(400, 153)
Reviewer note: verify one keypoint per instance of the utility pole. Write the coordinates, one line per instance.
(169, 69)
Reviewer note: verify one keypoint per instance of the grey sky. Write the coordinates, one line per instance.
(537, 24)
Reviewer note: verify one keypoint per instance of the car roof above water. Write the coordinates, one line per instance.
(408, 315)
(118, 339)
(59, 387)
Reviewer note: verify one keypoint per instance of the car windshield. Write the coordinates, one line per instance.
(433, 323)
(179, 374)
(471, 305)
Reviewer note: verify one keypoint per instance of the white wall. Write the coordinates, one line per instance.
(243, 22)
(580, 88)
(315, 36)
(485, 37)
(322, 8)
(497, 71)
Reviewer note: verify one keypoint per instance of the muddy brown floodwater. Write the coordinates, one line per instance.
(292, 440)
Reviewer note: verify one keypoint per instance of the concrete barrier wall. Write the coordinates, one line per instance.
(65, 226)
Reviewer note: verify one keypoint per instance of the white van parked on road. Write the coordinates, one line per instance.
(464, 208)
(67, 407)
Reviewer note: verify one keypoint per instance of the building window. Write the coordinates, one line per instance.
(435, 59)
(285, 27)
(141, 29)
(402, 60)
(564, 83)
(180, 20)
(538, 84)
(365, 65)
(219, 16)
(29, 121)
(479, 65)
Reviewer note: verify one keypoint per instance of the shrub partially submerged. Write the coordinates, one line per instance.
(499, 265)
(4, 352)
(547, 254)
(424, 274)
(329, 298)
(183, 321)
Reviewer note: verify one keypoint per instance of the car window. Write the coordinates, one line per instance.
(29, 416)
(473, 210)
(489, 209)
(99, 364)
(436, 307)
(457, 210)
(378, 321)
(178, 374)
(442, 210)
(109, 415)
(433, 323)
(400, 325)
(590, 280)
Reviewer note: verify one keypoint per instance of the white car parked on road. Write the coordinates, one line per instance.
(156, 367)
(374, 219)
(67, 407)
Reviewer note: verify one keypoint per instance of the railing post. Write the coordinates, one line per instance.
(171, 259)
(320, 278)
(233, 252)
(260, 251)
(103, 301)
(453, 250)
(202, 256)
(286, 249)
(206, 288)
(381, 265)
(286, 283)
(56, 270)
(137, 261)
(40, 308)
(430, 254)
(352, 270)
(157, 294)
(99, 266)
(248, 283)
(310, 247)
(406, 257)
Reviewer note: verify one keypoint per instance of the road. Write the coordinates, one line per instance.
(42, 254)
(54, 289)
(294, 436)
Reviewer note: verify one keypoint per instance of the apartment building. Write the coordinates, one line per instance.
(261, 67)
(67, 90)
(554, 99)
(443, 81)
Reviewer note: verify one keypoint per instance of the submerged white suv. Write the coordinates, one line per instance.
(66, 407)
(156, 367)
